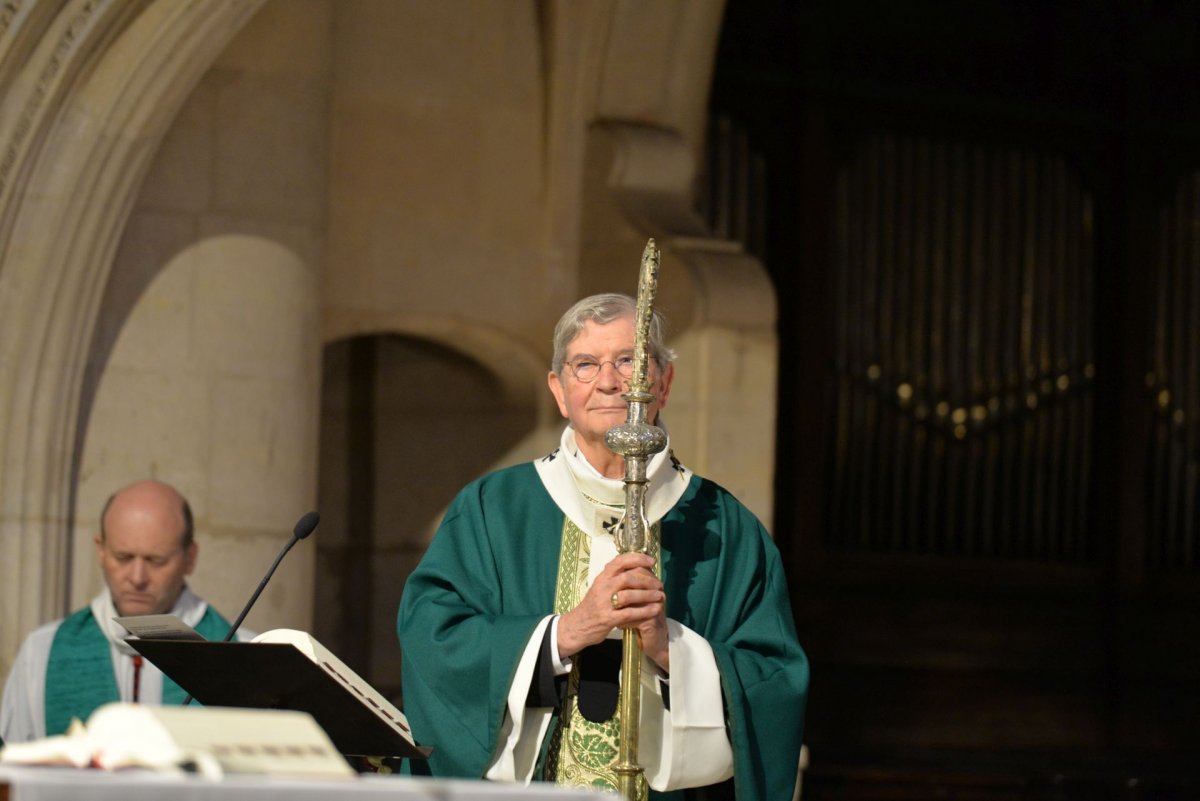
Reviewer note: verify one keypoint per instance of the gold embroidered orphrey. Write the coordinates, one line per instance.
(584, 753)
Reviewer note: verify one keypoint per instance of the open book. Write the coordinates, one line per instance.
(363, 692)
(207, 740)
(278, 669)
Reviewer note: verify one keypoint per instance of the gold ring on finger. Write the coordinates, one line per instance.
(616, 600)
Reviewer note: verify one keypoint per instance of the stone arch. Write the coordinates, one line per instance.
(211, 385)
(91, 87)
(487, 344)
(518, 369)
(410, 414)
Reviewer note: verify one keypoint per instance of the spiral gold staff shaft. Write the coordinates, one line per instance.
(636, 440)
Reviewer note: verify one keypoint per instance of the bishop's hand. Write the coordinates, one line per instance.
(626, 595)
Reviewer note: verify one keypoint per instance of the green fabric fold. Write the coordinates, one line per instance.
(79, 672)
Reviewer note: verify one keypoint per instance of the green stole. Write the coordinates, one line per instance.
(79, 673)
(582, 752)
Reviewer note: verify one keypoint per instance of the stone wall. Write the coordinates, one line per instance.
(440, 178)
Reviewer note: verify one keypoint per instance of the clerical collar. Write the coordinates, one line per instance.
(593, 501)
(594, 485)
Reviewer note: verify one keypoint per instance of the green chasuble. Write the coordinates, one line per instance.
(489, 577)
(79, 673)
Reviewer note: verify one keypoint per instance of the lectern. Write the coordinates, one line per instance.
(267, 675)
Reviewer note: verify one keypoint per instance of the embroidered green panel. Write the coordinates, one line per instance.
(582, 752)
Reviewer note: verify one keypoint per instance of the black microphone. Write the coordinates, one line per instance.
(304, 527)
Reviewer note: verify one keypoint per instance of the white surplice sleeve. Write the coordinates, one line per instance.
(23, 710)
(684, 746)
(521, 734)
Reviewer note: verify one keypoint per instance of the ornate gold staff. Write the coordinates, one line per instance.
(637, 441)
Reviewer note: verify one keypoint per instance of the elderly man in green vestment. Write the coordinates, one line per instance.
(510, 626)
(69, 667)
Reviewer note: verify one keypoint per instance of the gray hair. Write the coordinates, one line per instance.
(603, 309)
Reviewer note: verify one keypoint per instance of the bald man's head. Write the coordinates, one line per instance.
(169, 495)
(146, 547)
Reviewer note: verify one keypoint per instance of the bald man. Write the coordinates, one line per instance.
(67, 668)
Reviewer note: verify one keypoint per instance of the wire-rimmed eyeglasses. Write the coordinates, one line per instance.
(586, 370)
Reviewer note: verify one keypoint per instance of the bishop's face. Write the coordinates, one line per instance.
(593, 407)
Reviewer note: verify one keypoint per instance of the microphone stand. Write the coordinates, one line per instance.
(304, 526)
